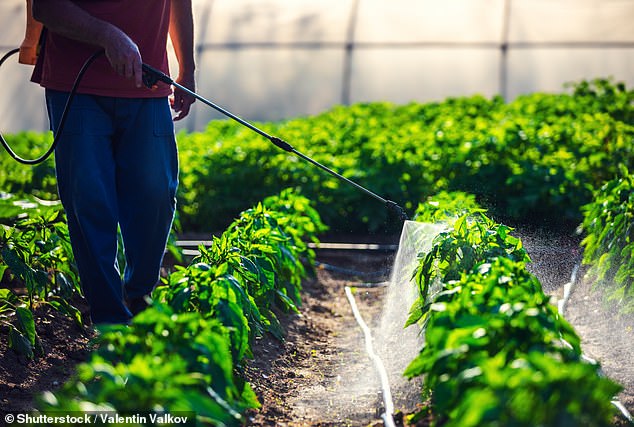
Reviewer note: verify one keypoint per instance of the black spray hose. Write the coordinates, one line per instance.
(62, 120)
(152, 75)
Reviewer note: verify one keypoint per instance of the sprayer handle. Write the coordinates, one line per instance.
(151, 75)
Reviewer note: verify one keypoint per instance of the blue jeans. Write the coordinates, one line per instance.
(117, 168)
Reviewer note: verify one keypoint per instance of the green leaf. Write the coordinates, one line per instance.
(3, 268)
(20, 343)
(26, 323)
(15, 263)
(7, 296)
(64, 306)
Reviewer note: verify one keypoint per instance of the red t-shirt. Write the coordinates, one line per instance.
(146, 22)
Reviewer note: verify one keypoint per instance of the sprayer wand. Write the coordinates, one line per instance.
(151, 75)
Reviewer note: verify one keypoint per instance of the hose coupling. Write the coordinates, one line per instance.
(281, 143)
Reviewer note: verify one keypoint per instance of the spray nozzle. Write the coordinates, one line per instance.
(394, 207)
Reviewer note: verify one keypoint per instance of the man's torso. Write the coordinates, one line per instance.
(146, 22)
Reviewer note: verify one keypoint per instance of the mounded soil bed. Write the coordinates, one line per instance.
(321, 375)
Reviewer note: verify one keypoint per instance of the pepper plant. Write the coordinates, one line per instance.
(609, 239)
(35, 253)
(185, 351)
(164, 363)
(496, 352)
(471, 241)
(253, 269)
(447, 206)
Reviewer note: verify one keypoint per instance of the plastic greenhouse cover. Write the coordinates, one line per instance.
(405, 75)
(412, 21)
(533, 70)
(277, 21)
(269, 84)
(274, 59)
(571, 21)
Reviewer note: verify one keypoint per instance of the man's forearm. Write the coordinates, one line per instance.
(66, 18)
(182, 35)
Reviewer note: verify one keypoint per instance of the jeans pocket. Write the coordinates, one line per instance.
(163, 123)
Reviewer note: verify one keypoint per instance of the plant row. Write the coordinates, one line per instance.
(36, 268)
(186, 352)
(535, 159)
(496, 352)
(608, 226)
(542, 159)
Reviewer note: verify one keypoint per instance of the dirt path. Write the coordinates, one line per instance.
(65, 345)
(321, 375)
(607, 336)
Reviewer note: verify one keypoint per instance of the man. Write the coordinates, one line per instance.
(116, 162)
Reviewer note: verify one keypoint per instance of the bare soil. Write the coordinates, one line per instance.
(65, 345)
(607, 335)
(321, 375)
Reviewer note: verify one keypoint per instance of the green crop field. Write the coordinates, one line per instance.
(483, 166)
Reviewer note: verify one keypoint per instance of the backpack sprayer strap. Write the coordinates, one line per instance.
(30, 47)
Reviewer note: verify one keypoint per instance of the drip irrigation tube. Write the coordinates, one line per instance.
(354, 246)
(322, 245)
(319, 265)
(618, 405)
(348, 271)
(388, 404)
(568, 287)
(372, 285)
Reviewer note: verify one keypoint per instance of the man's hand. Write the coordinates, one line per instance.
(182, 35)
(124, 56)
(181, 101)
